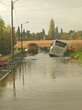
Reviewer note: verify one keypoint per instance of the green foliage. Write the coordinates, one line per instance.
(5, 45)
(18, 34)
(5, 38)
(23, 34)
(43, 34)
(2, 24)
(51, 32)
(77, 54)
(61, 31)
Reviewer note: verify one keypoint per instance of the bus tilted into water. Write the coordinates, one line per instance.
(58, 48)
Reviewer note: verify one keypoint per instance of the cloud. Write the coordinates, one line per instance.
(66, 13)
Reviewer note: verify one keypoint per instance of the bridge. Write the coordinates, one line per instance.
(39, 43)
(75, 44)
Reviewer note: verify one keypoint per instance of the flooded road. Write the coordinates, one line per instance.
(43, 83)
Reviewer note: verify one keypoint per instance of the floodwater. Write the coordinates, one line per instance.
(43, 83)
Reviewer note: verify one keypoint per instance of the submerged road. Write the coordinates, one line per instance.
(43, 83)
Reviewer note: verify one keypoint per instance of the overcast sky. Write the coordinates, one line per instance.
(67, 14)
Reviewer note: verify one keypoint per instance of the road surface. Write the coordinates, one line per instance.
(43, 83)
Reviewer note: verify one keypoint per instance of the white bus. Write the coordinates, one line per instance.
(58, 48)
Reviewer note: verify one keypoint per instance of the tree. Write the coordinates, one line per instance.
(14, 35)
(51, 32)
(18, 33)
(71, 34)
(2, 24)
(33, 36)
(61, 33)
(77, 35)
(6, 42)
(43, 34)
(29, 36)
(5, 38)
(57, 36)
(23, 34)
(39, 35)
(56, 30)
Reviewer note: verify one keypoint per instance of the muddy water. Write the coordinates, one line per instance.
(43, 83)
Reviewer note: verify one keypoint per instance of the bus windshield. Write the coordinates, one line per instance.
(61, 44)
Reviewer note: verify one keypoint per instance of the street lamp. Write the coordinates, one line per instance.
(22, 36)
(12, 29)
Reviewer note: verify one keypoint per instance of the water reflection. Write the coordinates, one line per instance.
(51, 68)
(14, 83)
(23, 68)
(34, 73)
(8, 81)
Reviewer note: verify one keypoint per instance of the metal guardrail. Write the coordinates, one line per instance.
(4, 74)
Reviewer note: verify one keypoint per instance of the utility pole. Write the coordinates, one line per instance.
(22, 48)
(21, 39)
(12, 32)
